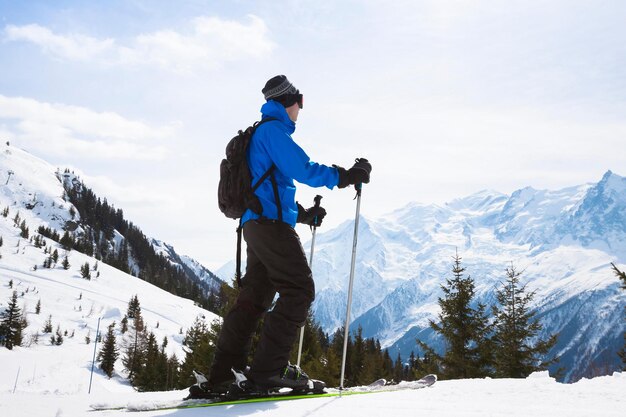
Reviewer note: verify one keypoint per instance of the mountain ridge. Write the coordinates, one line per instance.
(563, 241)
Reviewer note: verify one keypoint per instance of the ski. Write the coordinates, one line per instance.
(378, 386)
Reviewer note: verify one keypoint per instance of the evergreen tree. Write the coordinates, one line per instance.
(200, 340)
(464, 328)
(124, 325)
(66, 263)
(12, 323)
(173, 373)
(38, 307)
(357, 359)
(59, 336)
(398, 369)
(24, 231)
(515, 327)
(67, 241)
(109, 352)
(135, 345)
(55, 256)
(134, 307)
(85, 272)
(47, 326)
(153, 368)
(314, 359)
(622, 276)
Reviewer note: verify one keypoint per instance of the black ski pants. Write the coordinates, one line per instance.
(276, 263)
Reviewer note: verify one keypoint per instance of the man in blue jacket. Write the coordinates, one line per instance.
(276, 261)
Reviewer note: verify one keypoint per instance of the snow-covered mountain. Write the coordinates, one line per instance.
(37, 189)
(32, 194)
(190, 265)
(562, 240)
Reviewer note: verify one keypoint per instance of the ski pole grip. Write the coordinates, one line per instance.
(317, 200)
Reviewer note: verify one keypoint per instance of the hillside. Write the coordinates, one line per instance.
(59, 205)
(32, 195)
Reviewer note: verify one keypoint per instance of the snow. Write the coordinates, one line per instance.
(537, 395)
(37, 370)
(45, 380)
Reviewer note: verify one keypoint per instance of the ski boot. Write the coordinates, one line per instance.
(291, 377)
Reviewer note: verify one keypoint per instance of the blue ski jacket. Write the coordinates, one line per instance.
(272, 144)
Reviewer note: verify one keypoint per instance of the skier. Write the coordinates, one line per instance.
(276, 261)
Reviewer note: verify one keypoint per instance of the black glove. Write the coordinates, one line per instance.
(358, 174)
(312, 216)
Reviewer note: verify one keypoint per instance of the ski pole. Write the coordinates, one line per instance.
(317, 200)
(346, 334)
(93, 362)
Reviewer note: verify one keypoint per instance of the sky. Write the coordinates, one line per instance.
(445, 98)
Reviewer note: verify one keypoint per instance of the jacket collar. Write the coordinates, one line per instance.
(277, 111)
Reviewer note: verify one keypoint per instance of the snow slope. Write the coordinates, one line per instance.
(73, 303)
(538, 395)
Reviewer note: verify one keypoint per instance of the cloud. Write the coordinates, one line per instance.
(73, 47)
(209, 43)
(71, 130)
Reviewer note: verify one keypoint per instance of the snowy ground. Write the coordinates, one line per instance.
(537, 395)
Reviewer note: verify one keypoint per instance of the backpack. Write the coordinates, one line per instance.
(235, 191)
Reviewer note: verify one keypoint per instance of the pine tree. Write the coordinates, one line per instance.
(134, 307)
(12, 323)
(85, 272)
(135, 345)
(124, 325)
(47, 326)
(38, 307)
(67, 241)
(59, 336)
(622, 276)
(515, 327)
(314, 359)
(200, 340)
(66, 263)
(150, 375)
(24, 231)
(464, 328)
(109, 352)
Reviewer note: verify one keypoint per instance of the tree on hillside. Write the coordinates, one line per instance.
(465, 329)
(85, 271)
(135, 346)
(109, 352)
(134, 307)
(622, 275)
(200, 340)
(515, 328)
(12, 324)
(66, 263)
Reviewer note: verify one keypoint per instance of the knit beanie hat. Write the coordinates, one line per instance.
(280, 89)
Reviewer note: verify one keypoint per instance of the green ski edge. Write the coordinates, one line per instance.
(285, 397)
(208, 403)
(268, 399)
